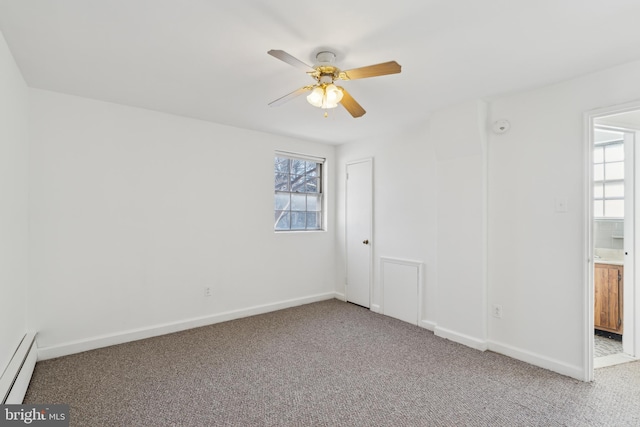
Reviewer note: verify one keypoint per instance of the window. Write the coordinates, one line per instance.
(298, 193)
(608, 177)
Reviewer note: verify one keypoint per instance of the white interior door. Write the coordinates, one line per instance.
(359, 220)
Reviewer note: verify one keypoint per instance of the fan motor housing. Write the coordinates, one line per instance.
(326, 74)
(325, 71)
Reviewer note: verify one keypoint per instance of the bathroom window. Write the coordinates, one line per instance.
(298, 193)
(608, 177)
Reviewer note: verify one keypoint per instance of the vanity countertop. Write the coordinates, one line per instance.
(607, 261)
(608, 256)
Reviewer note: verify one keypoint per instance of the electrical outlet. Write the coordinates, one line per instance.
(496, 311)
(207, 291)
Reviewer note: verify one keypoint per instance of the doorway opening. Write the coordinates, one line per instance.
(613, 184)
(613, 167)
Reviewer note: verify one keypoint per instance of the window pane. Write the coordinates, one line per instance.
(297, 183)
(313, 220)
(282, 220)
(298, 167)
(312, 169)
(598, 155)
(614, 153)
(614, 170)
(598, 172)
(613, 189)
(282, 165)
(282, 182)
(298, 202)
(313, 185)
(598, 208)
(283, 201)
(614, 208)
(598, 191)
(314, 203)
(298, 220)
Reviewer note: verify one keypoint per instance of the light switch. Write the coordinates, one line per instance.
(561, 204)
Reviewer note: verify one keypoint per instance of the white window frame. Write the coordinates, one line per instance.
(604, 198)
(321, 193)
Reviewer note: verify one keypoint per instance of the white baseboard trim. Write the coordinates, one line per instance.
(467, 340)
(17, 375)
(341, 296)
(375, 308)
(538, 360)
(427, 324)
(79, 346)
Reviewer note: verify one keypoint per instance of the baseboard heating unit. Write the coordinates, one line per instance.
(15, 379)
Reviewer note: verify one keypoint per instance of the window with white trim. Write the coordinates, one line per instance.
(608, 179)
(298, 192)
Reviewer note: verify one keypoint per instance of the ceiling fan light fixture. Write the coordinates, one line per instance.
(316, 97)
(325, 96)
(333, 94)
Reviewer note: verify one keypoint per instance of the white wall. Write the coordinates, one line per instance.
(13, 205)
(536, 263)
(459, 134)
(404, 201)
(134, 212)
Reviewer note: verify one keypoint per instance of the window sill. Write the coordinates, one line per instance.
(299, 231)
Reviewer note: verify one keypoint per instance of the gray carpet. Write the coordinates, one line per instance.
(324, 364)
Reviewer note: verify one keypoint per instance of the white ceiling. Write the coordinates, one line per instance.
(208, 59)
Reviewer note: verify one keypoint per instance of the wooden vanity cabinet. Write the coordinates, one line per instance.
(608, 298)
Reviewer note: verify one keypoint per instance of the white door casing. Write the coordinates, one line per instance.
(628, 287)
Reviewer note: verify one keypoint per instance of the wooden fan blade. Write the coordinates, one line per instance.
(284, 56)
(290, 96)
(391, 67)
(351, 105)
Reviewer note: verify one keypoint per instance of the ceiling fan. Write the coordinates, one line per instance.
(324, 93)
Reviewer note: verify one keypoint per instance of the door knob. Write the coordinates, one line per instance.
(365, 242)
